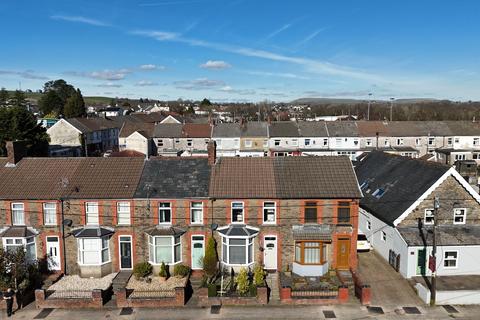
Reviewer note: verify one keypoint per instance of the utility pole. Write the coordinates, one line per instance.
(391, 108)
(433, 258)
(369, 102)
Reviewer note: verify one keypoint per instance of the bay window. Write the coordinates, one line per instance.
(27, 244)
(196, 212)
(18, 214)
(310, 252)
(164, 213)
(237, 251)
(93, 251)
(269, 212)
(91, 212)
(166, 249)
(237, 210)
(50, 213)
(123, 213)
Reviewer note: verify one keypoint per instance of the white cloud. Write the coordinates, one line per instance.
(80, 19)
(310, 37)
(281, 29)
(29, 74)
(146, 83)
(148, 67)
(276, 74)
(215, 64)
(158, 35)
(110, 85)
(110, 75)
(199, 84)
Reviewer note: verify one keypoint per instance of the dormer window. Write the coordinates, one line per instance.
(378, 193)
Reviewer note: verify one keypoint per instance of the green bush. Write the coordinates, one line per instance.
(253, 290)
(242, 281)
(142, 270)
(258, 276)
(163, 271)
(212, 290)
(181, 270)
(210, 262)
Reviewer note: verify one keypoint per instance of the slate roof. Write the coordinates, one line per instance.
(312, 232)
(81, 178)
(312, 129)
(342, 128)
(283, 129)
(174, 178)
(284, 178)
(226, 130)
(254, 129)
(86, 125)
(446, 235)
(18, 232)
(92, 232)
(403, 179)
(165, 231)
(168, 130)
(130, 127)
(197, 130)
(238, 230)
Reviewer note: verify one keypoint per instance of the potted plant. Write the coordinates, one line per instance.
(163, 274)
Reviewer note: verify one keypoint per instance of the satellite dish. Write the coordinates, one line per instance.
(214, 226)
(67, 222)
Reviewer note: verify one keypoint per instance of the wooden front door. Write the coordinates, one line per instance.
(343, 253)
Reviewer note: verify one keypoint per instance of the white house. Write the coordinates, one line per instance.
(397, 215)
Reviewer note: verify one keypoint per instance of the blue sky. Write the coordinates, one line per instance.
(244, 50)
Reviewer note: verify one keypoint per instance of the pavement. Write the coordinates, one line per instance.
(344, 311)
(389, 288)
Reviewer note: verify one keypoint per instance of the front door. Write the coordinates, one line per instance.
(53, 254)
(198, 251)
(421, 262)
(270, 253)
(343, 253)
(125, 243)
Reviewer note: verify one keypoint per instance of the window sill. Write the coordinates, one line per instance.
(167, 264)
(238, 265)
(93, 265)
(123, 224)
(196, 223)
(270, 223)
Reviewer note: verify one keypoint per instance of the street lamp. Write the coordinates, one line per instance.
(391, 108)
(369, 102)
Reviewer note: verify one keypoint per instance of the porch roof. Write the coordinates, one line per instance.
(165, 231)
(92, 232)
(238, 230)
(18, 232)
(312, 232)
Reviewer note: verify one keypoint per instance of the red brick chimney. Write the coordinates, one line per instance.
(212, 152)
(16, 150)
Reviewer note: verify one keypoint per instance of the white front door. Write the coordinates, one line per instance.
(198, 251)
(270, 252)
(53, 254)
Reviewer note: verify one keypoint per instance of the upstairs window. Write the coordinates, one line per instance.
(237, 212)
(269, 212)
(307, 142)
(18, 214)
(418, 141)
(165, 213)
(189, 142)
(378, 193)
(431, 141)
(123, 213)
(276, 142)
(429, 217)
(311, 212)
(91, 212)
(476, 141)
(50, 213)
(160, 143)
(248, 143)
(265, 143)
(294, 142)
(343, 212)
(459, 216)
(325, 142)
(387, 143)
(450, 259)
(196, 212)
(450, 141)
(368, 142)
(399, 142)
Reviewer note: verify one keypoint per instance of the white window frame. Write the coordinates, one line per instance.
(24, 243)
(431, 141)
(306, 142)
(294, 142)
(418, 141)
(430, 215)
(248, 143)
(92, 223)
(48, 222)
(189, 142)
(476, 141)
(368, 142)
(20, 222)
(276, 142)
(386, 143)
(265, 143)
(399, 141)
(160, 143)
(383, 236)
(174, 243)
(369, 225)
(100, 249)
(242, 208)
(119, 205)
(449, 141)
(169, 208)
(269, 208)
(192, 209)
(463, 215)
(457, 140)
(325, 142)
(120, 240)
(249, 243)
(450, 259)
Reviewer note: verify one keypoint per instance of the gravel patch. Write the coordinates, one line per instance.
(156, 288)
(75, 283)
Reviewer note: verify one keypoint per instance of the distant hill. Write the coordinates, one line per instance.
(354, 101)
(35, 96)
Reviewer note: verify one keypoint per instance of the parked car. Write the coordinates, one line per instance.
(362, 243)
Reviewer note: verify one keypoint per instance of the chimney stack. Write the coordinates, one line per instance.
(212, 152)
(16, 150)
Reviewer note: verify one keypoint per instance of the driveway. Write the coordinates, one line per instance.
(389, 288)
